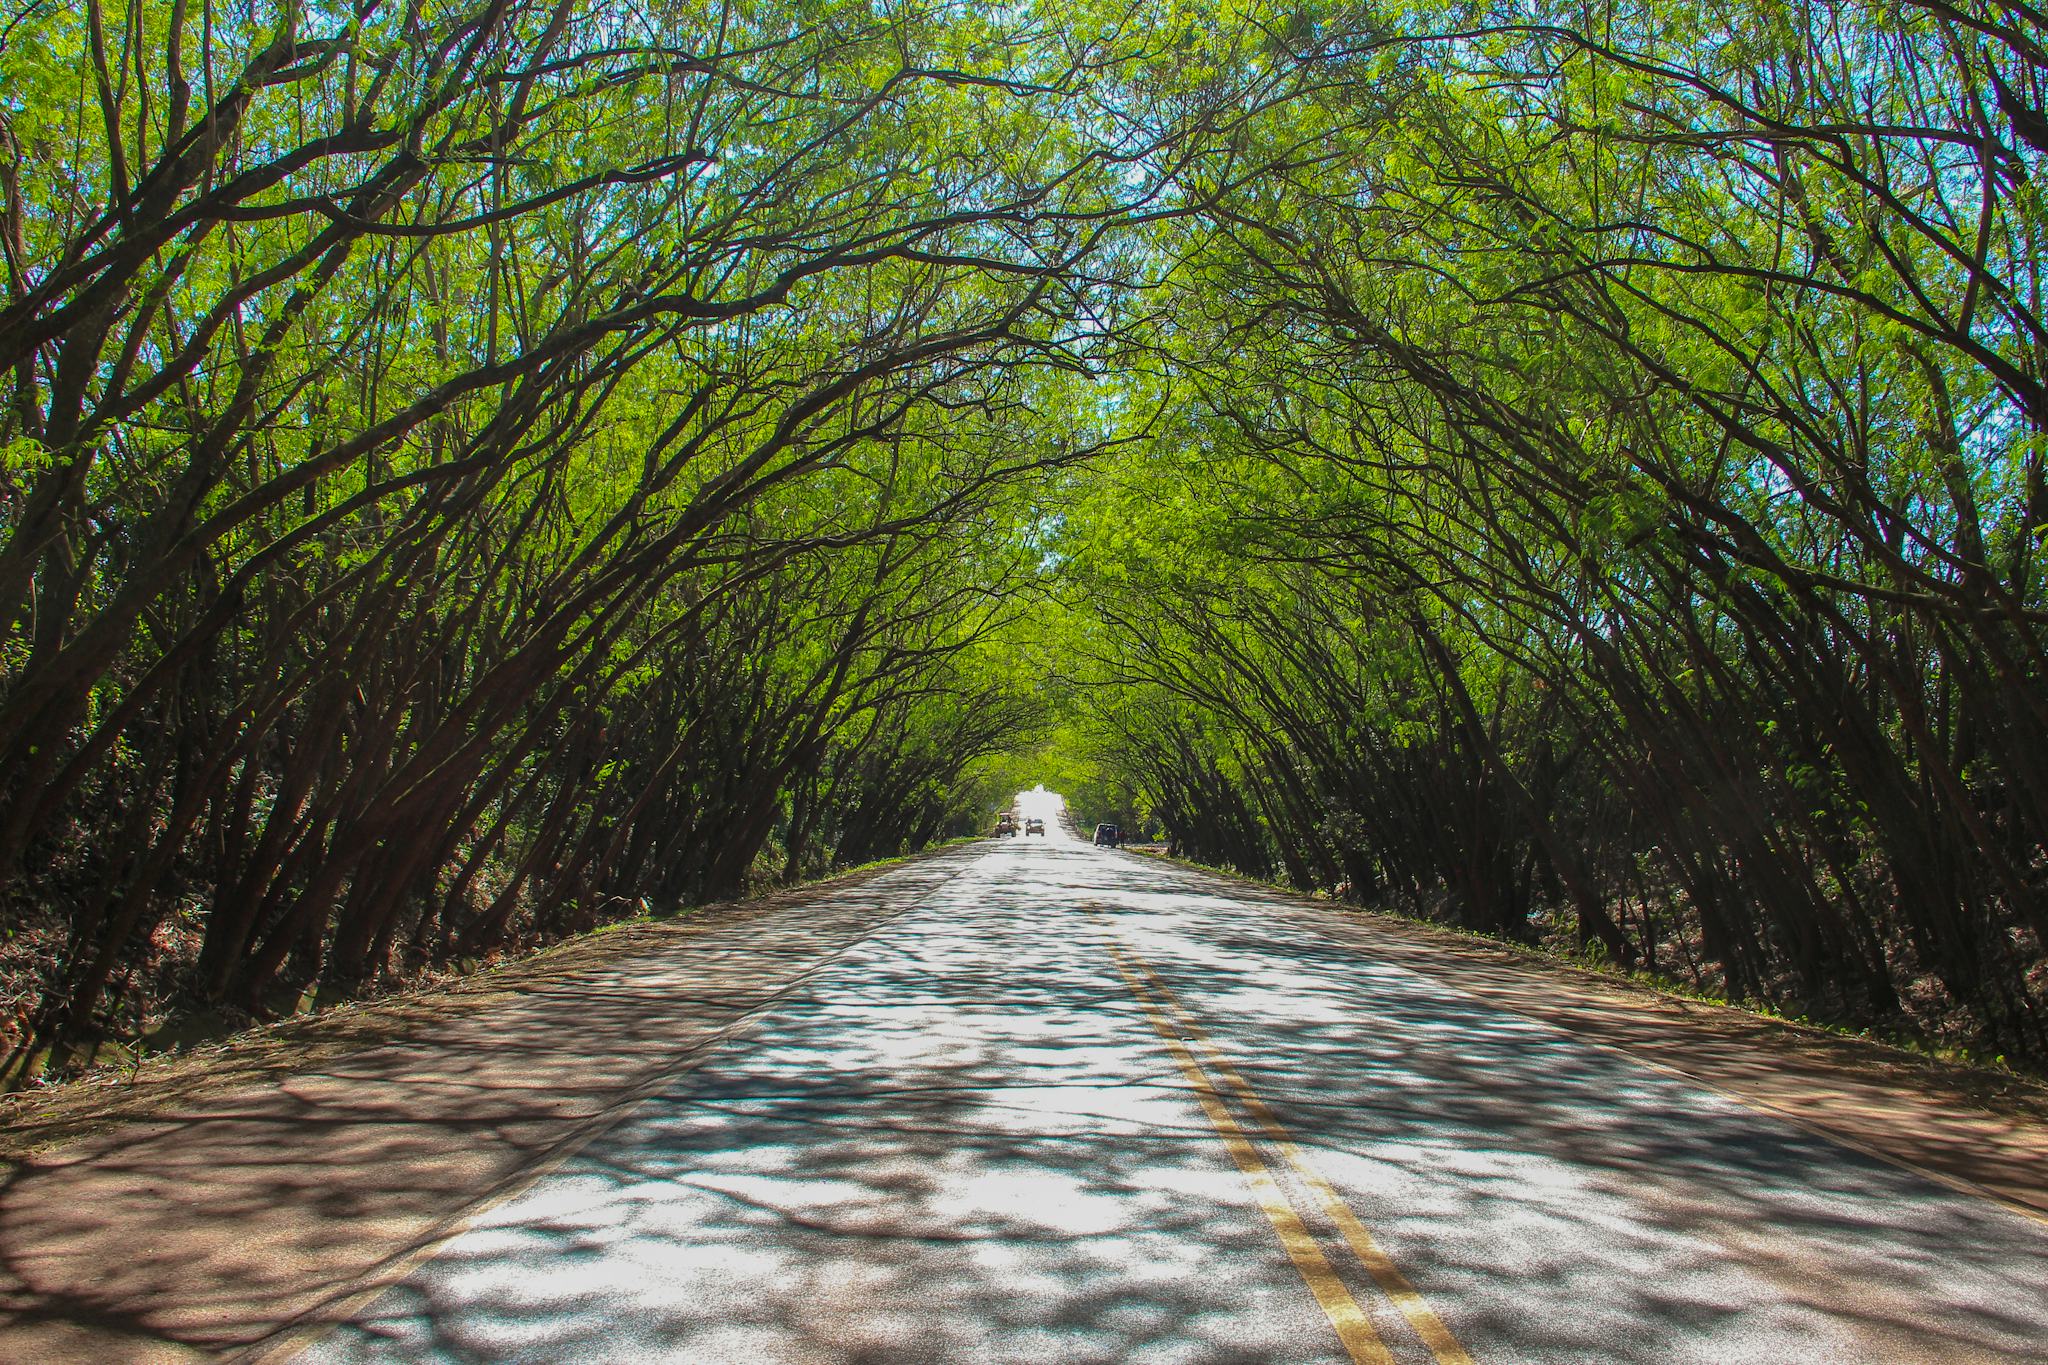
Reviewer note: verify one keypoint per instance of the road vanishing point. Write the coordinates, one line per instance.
(1026, 1100)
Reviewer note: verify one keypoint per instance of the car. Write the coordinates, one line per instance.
(1107, 836)
(1006, 824)
(1034, 826)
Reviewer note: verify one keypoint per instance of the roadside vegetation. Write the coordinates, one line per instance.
(470, 473)
(1605, 505)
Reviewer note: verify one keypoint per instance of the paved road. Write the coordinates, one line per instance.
(1076, 1105)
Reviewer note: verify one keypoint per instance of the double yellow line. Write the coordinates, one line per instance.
(1184, 1038)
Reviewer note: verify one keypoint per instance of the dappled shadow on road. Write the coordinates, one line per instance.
(967, 1145)
(209, 1224)
(1989, 1129)
(960, 1139)
(1563, 1199)
(963, 1143)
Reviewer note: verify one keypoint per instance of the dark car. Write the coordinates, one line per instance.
(1108, 836)
(1005, 824)
(1034, 826)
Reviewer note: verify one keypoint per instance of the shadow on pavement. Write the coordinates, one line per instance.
(208, 1225)
(1985, 1129)
(960, 1139)
(963, 1143)
(1566, 1198)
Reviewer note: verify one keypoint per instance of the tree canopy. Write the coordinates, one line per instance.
(473, 471)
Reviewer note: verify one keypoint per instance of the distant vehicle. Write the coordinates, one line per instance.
(1107, 836)
(1034, 826)
(1006, 824)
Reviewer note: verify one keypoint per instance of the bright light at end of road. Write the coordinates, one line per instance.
(1049, 806)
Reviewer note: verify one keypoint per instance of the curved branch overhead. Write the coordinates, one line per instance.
(471, 472)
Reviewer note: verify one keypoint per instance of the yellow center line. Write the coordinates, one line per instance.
(1402, 1294)
(1353, 1328)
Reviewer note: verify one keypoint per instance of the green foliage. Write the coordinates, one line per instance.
(1600, 479)
(470, 469)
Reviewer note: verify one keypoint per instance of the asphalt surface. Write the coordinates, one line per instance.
(1071, 1104)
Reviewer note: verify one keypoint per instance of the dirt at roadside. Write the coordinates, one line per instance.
(237, 1201)
(38, 1120)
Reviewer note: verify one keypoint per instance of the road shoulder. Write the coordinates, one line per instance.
(38, 1121)
(224, 1198)
(1981, 1131)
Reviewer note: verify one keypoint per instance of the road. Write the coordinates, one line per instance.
(1031, 1100)
(1078, 1105)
